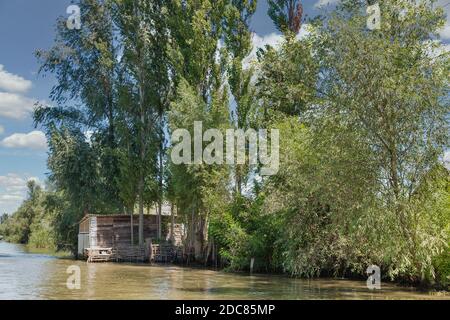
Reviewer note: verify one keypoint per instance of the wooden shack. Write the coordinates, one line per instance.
(114, 231)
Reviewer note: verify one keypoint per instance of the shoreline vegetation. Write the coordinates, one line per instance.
(362, 116)
(57, 254)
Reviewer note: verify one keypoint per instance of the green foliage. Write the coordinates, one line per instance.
(441, 264)
(85, 66)
(286, 15)
(357, 182)
(200, 66)
(288, 77)
(3, 218)
(31, 224)
(42, 233)
(391, 88)
(244, 232)
(232, 240)
(415, 252)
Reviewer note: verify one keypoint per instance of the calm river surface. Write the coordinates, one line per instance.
(36, 276)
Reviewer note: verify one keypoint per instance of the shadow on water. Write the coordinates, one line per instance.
(38, 276)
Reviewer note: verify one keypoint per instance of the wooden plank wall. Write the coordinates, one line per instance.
(105, 232)
(93, 232)
(83, 242)
(84, 226)
(115, 231)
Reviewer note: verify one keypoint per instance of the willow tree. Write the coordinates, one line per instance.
(113, 69)
(84, 63)
(391, 86)
(366, 125)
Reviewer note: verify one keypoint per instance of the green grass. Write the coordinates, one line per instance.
(50, 252)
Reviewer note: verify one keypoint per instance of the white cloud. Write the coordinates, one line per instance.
(13, 188)
(9, 203)
(2, 130)
(322, 3)
(10, 198)
(441, 49)
(445, 47)
(445, 33)
(15, 106)
(33, 140)
(13, 83)
(88, 134)
(273, 39)
(445, 6)
(304, 31)
(447, 159)
(11, 180)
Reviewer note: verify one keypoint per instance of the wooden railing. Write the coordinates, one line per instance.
(129, 253)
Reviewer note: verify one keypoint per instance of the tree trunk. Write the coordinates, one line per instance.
(192, 230)
(172, 223)
(141, 209)
(160, 186)
(132, 227)
(141, 134)
(199, 238)
(238, 180)
(159, 218)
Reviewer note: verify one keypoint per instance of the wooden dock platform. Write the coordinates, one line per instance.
(163, 252)
(99, 254)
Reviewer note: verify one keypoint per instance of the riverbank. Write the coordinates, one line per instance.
(54, 253)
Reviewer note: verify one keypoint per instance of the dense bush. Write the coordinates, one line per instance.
(30, 224)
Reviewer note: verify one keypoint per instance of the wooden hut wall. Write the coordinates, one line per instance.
(105, 232)
(84, 226)
(114, 231)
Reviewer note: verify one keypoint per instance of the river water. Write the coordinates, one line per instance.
(25, 275)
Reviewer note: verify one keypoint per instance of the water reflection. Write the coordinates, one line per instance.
(35, 276)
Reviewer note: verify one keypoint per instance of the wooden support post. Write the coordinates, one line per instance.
(132, 228)
(150, 250)
(172, 223)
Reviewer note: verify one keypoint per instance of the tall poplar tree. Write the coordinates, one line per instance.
(144, 88)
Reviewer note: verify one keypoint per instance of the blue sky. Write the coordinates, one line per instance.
(26, 26)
